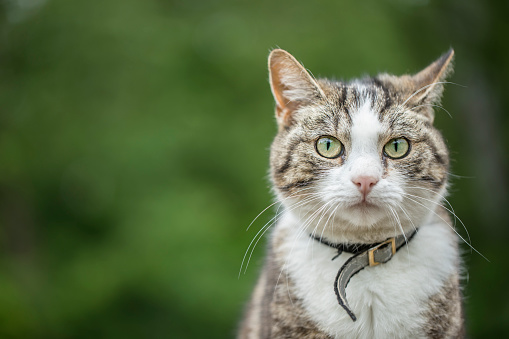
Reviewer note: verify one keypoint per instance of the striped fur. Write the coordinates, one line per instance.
(321, 197)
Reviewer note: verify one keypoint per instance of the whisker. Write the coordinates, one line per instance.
(472, 247)
(326, 222)
(410, 219)
(276, 202)
(393, 219)
(431, 105)
(448, 203)
(423, 88)
(399, 223)
(460, 176)
(267, 226)
(324, 212)
(449, 210)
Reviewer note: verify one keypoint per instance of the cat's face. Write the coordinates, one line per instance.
(359, 160)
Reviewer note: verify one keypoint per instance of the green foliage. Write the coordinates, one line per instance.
(134, 146)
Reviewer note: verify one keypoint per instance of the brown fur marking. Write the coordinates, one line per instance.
(445, 319)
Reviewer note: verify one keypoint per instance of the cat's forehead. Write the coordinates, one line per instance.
(355, 97)
(361, 105)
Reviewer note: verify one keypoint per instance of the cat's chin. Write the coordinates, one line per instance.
(364, 214)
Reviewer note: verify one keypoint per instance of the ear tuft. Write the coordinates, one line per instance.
(291, 85)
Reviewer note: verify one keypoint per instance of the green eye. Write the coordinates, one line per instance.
(329, 147)
(397, 148)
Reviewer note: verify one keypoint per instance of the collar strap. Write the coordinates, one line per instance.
(349, 248)
(364, 255)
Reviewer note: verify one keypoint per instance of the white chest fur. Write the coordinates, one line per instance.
(389, 300)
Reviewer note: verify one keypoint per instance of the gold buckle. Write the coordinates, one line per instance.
(371, 251)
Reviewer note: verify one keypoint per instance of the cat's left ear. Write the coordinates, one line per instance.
(291, 85)
(422, 91)
(428, 83)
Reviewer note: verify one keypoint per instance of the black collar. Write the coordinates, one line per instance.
(349, 248)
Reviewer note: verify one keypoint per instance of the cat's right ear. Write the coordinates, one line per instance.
(291, 85)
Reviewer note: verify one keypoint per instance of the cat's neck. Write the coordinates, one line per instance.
(376, 296)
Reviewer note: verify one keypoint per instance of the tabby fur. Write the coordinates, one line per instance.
(414, 295)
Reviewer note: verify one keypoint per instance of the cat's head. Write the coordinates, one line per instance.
(359, 160)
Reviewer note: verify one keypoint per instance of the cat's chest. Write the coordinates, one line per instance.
(389, 300)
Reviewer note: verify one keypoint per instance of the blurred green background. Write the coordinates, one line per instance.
(134, 143)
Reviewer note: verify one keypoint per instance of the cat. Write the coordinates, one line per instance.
(363, 246)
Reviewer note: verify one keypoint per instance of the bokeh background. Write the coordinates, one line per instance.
(134, 143)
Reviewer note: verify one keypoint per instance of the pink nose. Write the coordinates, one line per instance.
(365, 184)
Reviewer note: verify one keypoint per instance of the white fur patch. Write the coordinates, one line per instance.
(365, 131)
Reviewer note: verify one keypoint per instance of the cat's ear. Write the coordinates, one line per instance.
(428, 83)
(422, 92)
(291, 85)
